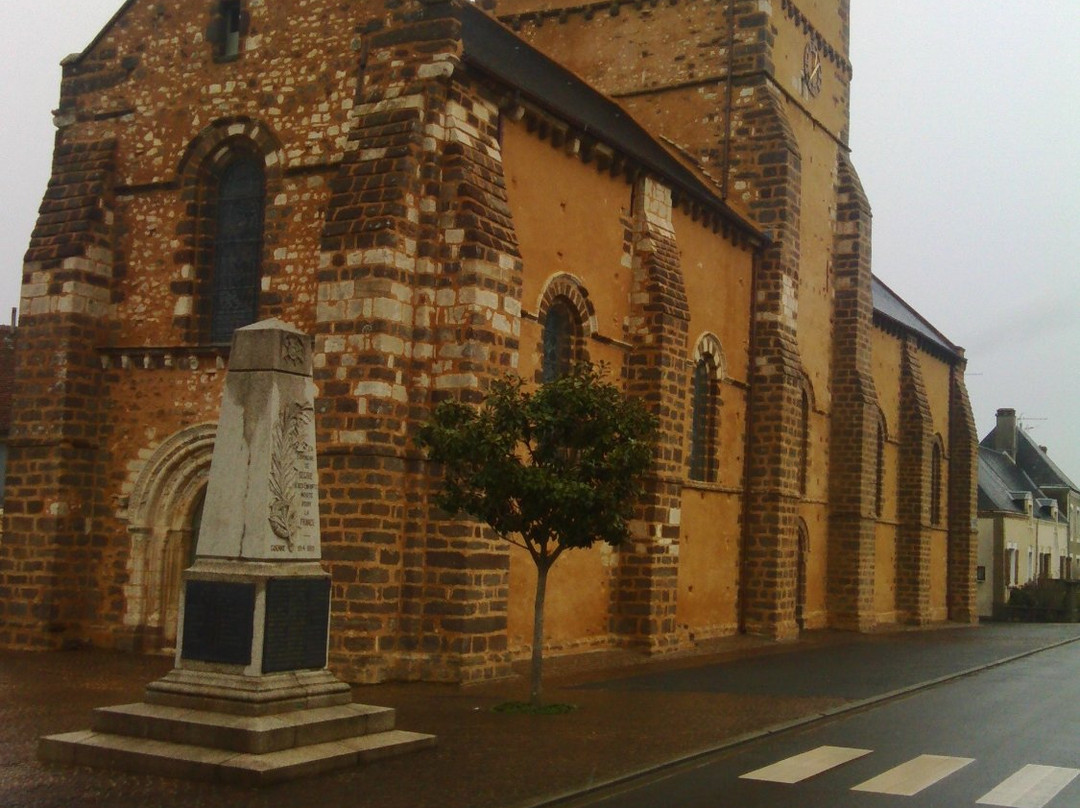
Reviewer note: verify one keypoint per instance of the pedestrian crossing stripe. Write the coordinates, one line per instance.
(808, 764)
(1031, 787)
(908, 779)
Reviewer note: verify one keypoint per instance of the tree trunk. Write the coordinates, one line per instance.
(536, 693)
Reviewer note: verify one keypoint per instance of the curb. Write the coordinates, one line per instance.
(568, 798)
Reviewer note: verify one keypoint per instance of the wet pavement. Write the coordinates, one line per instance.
(632, 714)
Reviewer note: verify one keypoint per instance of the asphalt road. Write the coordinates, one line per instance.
(1008, 736)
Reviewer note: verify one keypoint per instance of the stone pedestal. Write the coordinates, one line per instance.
(250, 699)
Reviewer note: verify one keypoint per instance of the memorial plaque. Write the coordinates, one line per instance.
(297, 610)
(219, 620)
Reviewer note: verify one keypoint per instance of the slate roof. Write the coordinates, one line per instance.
(1002, 485)
(1034, 461)
(893, 308)
(1000, 481)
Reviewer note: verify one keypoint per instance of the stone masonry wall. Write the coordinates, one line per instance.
(913, 512)
(50, 554)
(853, 433)
(771, 164)
(419, 298)
(388, 235)
(646, 585)
(962, 503)
(112, 265)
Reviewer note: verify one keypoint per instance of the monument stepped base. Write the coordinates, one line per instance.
(250, 700)
(230, 740)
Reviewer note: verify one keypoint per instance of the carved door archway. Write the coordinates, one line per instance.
(164, 511)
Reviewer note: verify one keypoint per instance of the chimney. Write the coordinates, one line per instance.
(1005, 434)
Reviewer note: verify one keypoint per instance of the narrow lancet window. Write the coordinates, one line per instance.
(237, 248)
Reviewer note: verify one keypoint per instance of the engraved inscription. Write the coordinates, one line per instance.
(218, 621)
(292, 475)
(295, 631)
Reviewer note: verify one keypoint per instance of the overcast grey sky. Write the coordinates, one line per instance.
(965, 130)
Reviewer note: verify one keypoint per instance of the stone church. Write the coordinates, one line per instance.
(442, 193)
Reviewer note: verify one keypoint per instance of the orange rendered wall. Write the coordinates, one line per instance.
(885, 573)
(551, 193)
(709, 547)
(718, 281)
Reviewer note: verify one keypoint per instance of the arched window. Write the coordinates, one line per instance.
(702, 409)
(237, 248)
(935, 484)
(561, 329)
(709, 365)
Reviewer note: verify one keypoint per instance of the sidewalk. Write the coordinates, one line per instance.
(632, 714)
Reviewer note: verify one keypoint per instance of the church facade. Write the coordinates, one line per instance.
(443, 194)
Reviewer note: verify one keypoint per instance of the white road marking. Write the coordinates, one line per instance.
(800, 767)
(1031, 787)
(912, 777)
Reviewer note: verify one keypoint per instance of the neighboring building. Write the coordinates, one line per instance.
(1029, 515)
(439, 203)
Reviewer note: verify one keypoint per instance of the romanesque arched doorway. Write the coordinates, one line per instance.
(163, 515)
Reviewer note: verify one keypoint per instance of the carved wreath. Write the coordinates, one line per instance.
(289, 447)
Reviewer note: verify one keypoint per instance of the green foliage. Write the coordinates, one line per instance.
(560, 467)
(1042, 593)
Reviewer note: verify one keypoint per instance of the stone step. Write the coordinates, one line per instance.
(248, 734)
(147, 756)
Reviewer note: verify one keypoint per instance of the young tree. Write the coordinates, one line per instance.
(549, 470)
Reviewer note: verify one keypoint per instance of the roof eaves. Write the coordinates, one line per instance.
(922, 328)
(611, 123)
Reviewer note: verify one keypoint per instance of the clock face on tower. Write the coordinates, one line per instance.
(812, 68)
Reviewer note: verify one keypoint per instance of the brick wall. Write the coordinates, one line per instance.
(419, 299)
(657, 372)
(50, 556)
(962, 503)
(913, 511)
(854, 423)
(388, 234)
